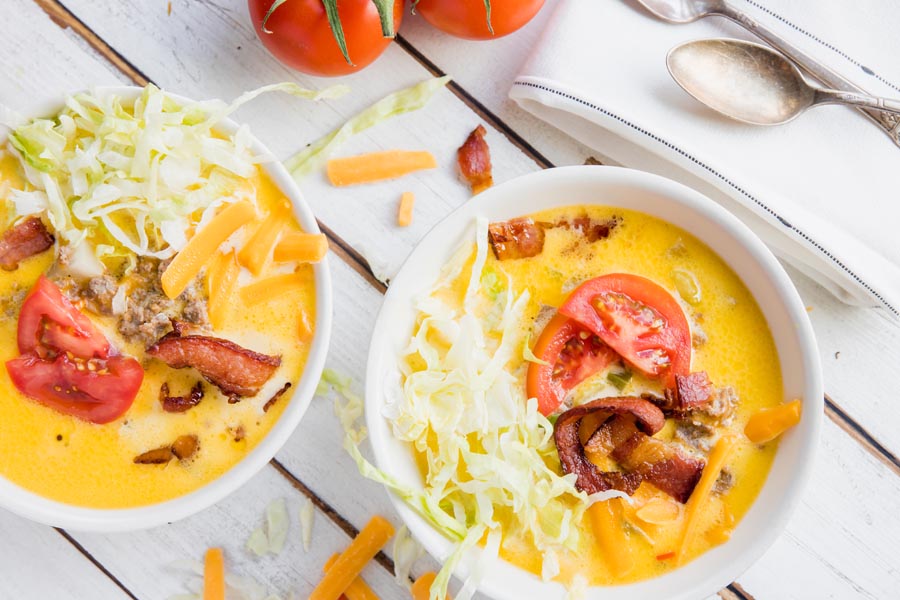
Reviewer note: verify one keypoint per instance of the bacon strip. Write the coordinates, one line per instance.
(626, 438)
(590, 479)
(179, 404)
(271, 401)
(518, 238)
(590, 229)
(26, 239)
(664, 465)
(690, 392)
(474, 158)
(235, 370)
(523, 238)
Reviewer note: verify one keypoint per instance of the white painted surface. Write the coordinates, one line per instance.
(840, 544)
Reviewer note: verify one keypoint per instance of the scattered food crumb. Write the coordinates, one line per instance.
(169, 9)
(809, 309)
(405, 212)
(307, 515)
(837, 354)
(474, 159)
(590, 160)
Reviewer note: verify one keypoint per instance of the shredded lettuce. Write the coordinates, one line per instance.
(136, 175)
(277, 524)
(270, 539)
(492, 466)
(528, 354)
(307, 517)
(403, 101)
(258, 542)
(406, 551)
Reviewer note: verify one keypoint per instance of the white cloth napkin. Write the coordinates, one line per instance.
(823, 191)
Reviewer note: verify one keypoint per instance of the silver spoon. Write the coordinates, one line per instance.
(753, 83)
(687, 11)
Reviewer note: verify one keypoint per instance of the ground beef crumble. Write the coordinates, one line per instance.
(148, 310)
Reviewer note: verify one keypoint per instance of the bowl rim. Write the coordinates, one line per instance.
(38, 508)
(807, 434)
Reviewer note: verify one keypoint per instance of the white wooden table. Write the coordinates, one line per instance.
(843, 540)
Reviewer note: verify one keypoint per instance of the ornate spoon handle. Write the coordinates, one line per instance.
(890, 123)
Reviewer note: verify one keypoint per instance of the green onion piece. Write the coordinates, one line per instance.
(403, 101)
(620, 380)
(687, 285)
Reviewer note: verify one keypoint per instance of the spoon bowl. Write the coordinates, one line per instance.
(742, 80)
(753, 83)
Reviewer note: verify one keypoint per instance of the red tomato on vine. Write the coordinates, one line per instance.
(326, 37)
(478, 19)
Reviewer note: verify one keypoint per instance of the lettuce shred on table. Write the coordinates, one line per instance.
(397, 103)
(405, 551)
(492, 462)
(134, 177)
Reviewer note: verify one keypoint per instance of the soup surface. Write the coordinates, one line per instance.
(98, 465)
(730, 343)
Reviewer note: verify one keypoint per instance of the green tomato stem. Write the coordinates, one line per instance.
(272, 8)
(487, 10)
(334, 22)
(386, 12)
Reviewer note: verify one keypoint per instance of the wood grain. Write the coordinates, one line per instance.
(31, 553)
(839, 543)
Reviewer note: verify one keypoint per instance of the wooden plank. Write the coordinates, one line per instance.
(30, 552)
(842, 541)
(147, 562)
(490, 78)
(318, 449)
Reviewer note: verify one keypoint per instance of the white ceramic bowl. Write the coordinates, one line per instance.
(732, 241)
(51, 512)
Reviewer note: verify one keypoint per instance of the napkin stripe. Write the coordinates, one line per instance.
(724, 179)
(822, 42)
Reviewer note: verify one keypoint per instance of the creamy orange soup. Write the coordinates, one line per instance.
(73, 461)
(731, 342)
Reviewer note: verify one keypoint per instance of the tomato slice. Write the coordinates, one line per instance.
(50, 321)
(66, 362)
(573, 354)
(73, 388)
(638, 319)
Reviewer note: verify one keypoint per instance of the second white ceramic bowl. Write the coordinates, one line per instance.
(58, 514)
(735, 244)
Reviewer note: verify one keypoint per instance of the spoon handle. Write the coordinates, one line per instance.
(859, 100)
(884, 117)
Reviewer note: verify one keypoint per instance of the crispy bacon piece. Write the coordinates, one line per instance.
(518, 238)
(237, 371)
(664, 465)
(523, 238)
(185, 446)
(474, 159)
(590, 479)
(26, 239)
(625, 437)
(157, 456)
(271, 401)
(590, 229)
(690, 392)
(179, 404)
